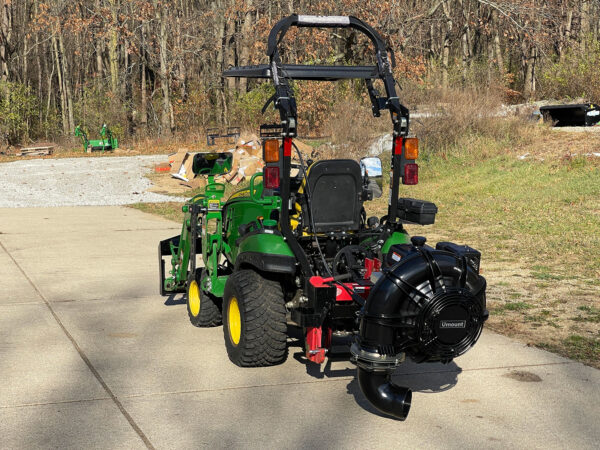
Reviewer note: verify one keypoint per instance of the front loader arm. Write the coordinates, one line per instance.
(182, 249)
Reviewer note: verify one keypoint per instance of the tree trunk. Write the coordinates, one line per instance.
(50, 78)
(566, 34)
(245, 42)
(61, 87)
(113, 54)
(181, 66)
(431, 54)
(165, 116)
(465, 53)
(530, 59)
(586, 23)
(5, 39)
(447, 44)
(143, 87)
(67, 85)
(229, 55)
(497, 44)
(220, 100)
(99, 43)
(25, 58)
(38, 64)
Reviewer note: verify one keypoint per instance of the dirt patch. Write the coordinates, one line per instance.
(164, 183)
(522, 375)
(554, 144)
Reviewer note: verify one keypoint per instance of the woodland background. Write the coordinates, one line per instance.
(153, 68)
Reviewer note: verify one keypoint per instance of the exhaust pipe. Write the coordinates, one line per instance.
(383, 394)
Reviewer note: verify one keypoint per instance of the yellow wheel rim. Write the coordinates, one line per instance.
(194, 298)
(234, 321)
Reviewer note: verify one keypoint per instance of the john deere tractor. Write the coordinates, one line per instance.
(296, 249)
(108, 142)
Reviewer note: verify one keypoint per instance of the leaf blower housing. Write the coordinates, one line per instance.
(428, 304)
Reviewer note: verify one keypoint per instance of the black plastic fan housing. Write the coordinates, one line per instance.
(430, 305)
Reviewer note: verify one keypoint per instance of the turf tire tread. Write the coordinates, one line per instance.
(264, 329)
(210, 306)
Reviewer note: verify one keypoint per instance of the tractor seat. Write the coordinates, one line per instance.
(335, 187)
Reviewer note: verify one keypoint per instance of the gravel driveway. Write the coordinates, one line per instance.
(79, 181)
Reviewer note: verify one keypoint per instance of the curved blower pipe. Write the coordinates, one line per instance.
(383, 394)
(430, 306)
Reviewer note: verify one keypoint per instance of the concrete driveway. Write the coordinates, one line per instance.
(92, 357)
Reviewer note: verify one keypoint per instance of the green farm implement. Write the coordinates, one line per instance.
(108, 142)
(296, 249)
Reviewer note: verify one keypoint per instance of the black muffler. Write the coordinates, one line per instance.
(429, 306)
(383, 394)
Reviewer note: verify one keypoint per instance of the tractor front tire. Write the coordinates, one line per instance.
(203, 308)
(254, 323)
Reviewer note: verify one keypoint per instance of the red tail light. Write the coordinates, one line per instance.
(271, 177)
(411, 174)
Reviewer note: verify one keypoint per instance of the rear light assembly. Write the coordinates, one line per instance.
(411, 174)
(271, 177)
(411, 148)
(271, 150)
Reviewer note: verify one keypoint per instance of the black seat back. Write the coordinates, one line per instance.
(336, 193)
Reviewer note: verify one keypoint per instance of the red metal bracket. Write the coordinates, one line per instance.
(317, 344)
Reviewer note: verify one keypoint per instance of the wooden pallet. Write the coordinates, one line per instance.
(36, 151)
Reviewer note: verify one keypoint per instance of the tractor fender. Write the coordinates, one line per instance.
(265, 252)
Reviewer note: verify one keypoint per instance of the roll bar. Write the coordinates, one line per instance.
(301, 21)
(284, 101)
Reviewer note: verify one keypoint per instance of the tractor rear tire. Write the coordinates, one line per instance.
(254, 320)
(204, 310)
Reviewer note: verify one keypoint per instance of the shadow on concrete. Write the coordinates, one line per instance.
(427, 377)
(339, 352)
(423, 378)
(173, 300)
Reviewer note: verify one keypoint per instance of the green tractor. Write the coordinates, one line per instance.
(108, 142)
(296, 249)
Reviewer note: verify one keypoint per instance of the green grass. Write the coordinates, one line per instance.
(512, 209)
(544, 273)
(589, 314)
(542, 317)
(512, 306)
(169, 210)
(577, 347)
